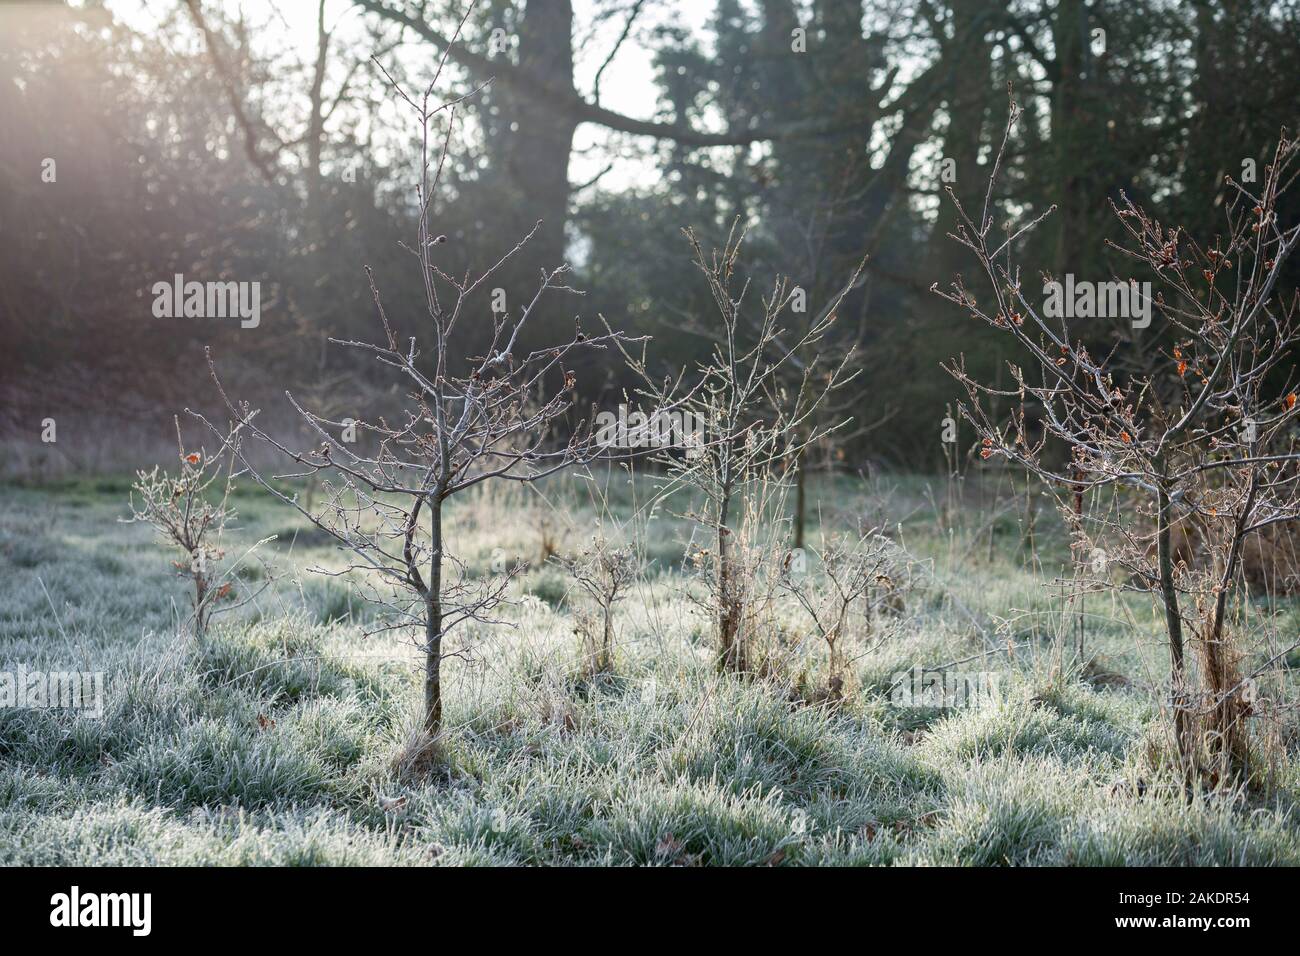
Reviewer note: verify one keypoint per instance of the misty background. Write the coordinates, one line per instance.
(262, 142)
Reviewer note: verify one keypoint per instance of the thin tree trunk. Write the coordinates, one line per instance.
(730, 657)
(800, 499)
(1080, 621)
(835, 679)
(1027, 538)
(1229, 744)
(605, 656)
(433, 627)
(200, 610)
(1234, 557)
(1173, 623)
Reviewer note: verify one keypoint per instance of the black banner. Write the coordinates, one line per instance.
(331, 906)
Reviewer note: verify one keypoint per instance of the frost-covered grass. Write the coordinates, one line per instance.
(278, 740)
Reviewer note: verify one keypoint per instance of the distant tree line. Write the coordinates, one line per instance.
(831, 128)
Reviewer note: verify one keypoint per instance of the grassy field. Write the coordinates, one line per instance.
(276, 740)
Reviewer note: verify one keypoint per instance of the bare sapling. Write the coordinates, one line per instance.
(829, 420)
(1198, 448)
(854, 577)
(190, 509)
(470, 420)
(756, 418)
(603, 571)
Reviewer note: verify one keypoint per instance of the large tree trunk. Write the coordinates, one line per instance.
(316, 127)
(1069, 135)
(966, 104)
(537, 158)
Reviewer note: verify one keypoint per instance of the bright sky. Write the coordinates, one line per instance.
(626, 85)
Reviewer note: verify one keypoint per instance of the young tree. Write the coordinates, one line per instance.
(755, 421)
(604, 571)
(470, 420)
(187, 513)
(792, 366)
(857, 576)
(1206, 442)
